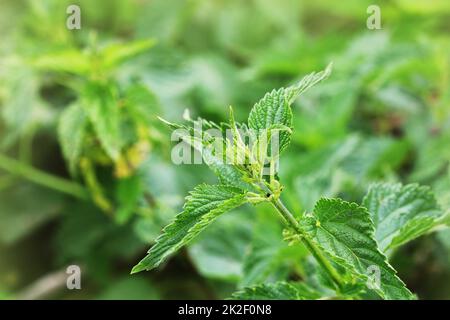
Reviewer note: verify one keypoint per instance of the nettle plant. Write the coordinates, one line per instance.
(350, 242)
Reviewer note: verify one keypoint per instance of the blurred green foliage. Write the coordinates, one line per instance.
(85, 170)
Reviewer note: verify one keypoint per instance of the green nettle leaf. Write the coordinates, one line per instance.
(401, 213)
(21, 102)
(202, 207)
(71, 129)
(116, 53)
(103, 111)
(274, 109)
(82, 62)
(271, 291)
(128, 192)
(68, 60)
(307, 82)
(141, 103)
(346, 231)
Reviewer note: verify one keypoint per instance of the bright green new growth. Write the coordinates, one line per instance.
(348, 241)
(275, 108)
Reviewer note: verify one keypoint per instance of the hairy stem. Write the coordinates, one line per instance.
(50, 181)
(316, 252)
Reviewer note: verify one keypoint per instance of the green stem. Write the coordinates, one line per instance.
(50, 181)
(316, 252)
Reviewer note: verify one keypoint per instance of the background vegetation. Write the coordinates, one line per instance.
(85, 170)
